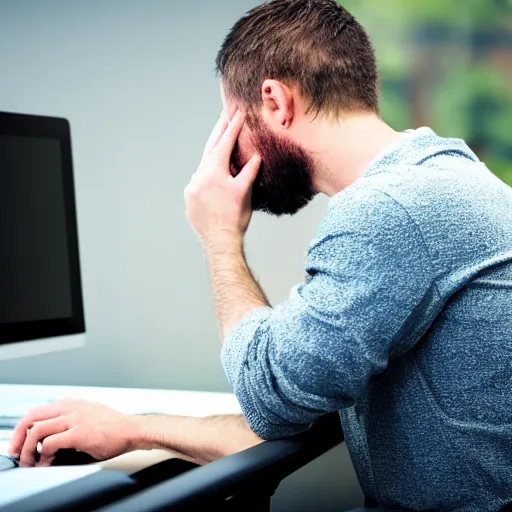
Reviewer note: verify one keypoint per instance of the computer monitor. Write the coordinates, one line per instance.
(41, 306)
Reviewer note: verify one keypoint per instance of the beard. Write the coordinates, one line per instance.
(284, 182)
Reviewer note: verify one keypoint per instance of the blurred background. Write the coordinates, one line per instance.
(135, 78)
(446, 64)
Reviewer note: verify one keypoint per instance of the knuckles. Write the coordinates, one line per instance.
(75, 418)
(71, 404)
(32, 413)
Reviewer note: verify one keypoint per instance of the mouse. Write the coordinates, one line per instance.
(70, 457)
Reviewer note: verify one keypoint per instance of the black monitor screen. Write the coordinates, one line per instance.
(40, 291)
(34, 269)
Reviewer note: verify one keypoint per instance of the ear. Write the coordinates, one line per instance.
(278, 104)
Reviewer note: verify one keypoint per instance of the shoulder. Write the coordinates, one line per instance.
(371, 207)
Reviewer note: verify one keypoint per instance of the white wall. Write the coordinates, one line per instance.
(136, 81)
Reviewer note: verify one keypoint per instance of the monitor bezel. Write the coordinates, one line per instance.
(25, 125)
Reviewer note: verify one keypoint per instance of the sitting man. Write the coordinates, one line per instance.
(404, 321)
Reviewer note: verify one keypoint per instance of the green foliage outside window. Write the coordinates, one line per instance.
(446, 64)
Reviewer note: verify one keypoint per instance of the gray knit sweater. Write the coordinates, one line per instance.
(404, 326)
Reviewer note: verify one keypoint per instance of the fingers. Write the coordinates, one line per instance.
(20, 432)
(229, 137)
(45, 461)
(37, 435)
(216, 134)
(249, 172)
(48, 448)
(71, 438)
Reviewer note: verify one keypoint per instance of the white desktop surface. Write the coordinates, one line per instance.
(16, 399)
(19, 484)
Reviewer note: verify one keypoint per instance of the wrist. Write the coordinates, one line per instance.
(223, 241)
(139, 433)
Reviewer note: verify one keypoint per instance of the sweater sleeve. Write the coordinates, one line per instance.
(369, 286)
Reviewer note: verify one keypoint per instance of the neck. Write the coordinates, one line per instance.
(342, 151)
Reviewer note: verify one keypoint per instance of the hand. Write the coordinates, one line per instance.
(92, 428)
(216, 202)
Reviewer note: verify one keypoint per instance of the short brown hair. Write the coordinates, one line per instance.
(315, 44)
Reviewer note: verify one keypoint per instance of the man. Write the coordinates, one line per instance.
(404, 321)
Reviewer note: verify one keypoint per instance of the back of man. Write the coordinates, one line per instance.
(434, 430)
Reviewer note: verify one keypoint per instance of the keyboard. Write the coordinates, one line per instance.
(9, 422)
(9, 418)
(7, 462)
(10, 415)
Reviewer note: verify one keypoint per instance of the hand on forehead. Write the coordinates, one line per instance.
(229, 108)
(231, 111)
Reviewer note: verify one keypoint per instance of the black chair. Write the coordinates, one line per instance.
(243, 481)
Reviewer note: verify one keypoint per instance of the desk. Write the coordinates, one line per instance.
(16, 399)
(242, 481)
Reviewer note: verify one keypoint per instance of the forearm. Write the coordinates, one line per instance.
(200, 440)
(235, 291)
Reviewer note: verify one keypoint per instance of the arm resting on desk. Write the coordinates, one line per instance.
(199, 440)
(105, 433)
(247, 479)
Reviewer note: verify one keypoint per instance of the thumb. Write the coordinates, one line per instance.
(249, 172)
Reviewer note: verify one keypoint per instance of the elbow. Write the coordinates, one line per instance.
(272, 408)
(268, 419)
(244, 443)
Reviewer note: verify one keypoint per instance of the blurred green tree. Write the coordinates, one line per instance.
(446, 64)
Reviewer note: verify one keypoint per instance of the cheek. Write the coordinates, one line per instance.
(245, 146)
